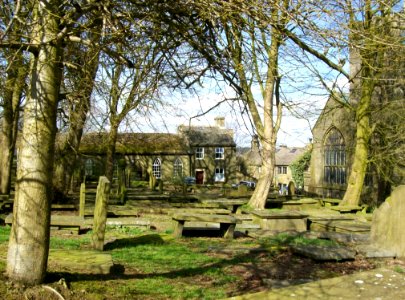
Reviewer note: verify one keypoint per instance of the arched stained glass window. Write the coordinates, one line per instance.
(157, 168)
(178, 168)
(334, 158)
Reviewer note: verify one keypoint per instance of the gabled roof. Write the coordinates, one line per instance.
(285, 156)
(206, 136)
(136, 143)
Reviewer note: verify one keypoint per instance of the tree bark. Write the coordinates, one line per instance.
(111, 141)
(267, 132)
(12, 99)
(363, 133)
(29, 239)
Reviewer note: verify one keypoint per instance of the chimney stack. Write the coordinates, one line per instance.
(220, 122)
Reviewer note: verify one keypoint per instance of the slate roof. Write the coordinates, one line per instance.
(136, 143)
(206, 136)
(285, 156)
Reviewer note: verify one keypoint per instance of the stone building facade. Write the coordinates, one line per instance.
(204, 152)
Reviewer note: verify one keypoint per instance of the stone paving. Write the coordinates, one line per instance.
(377, 284)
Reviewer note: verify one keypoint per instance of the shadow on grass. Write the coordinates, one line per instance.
(150, 239)
(255, 266)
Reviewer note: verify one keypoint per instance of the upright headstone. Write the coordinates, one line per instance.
(387, 228)
(242, 190)
(291, 189)
(100, 213)
(152, 183)
(82, 199)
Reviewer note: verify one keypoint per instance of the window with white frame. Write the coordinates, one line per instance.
(199, 153)
(219, 153)
(157, 168)
(282, 169)
(219, 174)
(178, 168)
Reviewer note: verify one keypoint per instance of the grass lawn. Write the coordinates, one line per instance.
(153, 265)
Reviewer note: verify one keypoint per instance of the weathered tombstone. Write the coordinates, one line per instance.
(387, 228)
(291, 189)
(161, 186)
(82, 199)
(100, 213)
(242, 190)
(152, 183)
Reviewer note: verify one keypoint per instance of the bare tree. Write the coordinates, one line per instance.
(361, 33)
(81, 65)
(50, 25)
(14, 85)
(241, 41)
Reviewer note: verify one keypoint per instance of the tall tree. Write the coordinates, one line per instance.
(360, 33)
(81, 65)
(29, 238)
(126, 89)
(14, 85)
(371, 37)
(242, 45)
(12, 98)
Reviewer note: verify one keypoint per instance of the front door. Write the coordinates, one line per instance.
(199, 177)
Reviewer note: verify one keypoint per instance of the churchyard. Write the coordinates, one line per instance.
(204, 245)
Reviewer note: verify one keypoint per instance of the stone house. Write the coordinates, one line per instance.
(285, 156)
(250, 162)
(204, 152)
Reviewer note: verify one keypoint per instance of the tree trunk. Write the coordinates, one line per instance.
(66, 152)
(29, 240)
(261, 192)
(360, 157)
(267, 132)
(12, 94)
(111, 141)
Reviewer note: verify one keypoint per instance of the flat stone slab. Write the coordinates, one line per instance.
(268, 214)
(381, 284)
(339, 236)
(206, 218)
(341, 226)
(128, 221)
(59, 221)
(372, 251)
(347, 209)
(324, 253)
(81, 261)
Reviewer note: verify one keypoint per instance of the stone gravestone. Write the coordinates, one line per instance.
(242, 190)
(291, 189)
(100, 213)
(387, 228)
(82, 199)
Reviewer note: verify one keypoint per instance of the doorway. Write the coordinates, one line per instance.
(199, 177)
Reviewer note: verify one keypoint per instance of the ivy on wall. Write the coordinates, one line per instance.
(299, 166)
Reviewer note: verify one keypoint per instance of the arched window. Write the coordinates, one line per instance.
(334, 158)
(178, 168)
(88, 167)
(157, 168)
